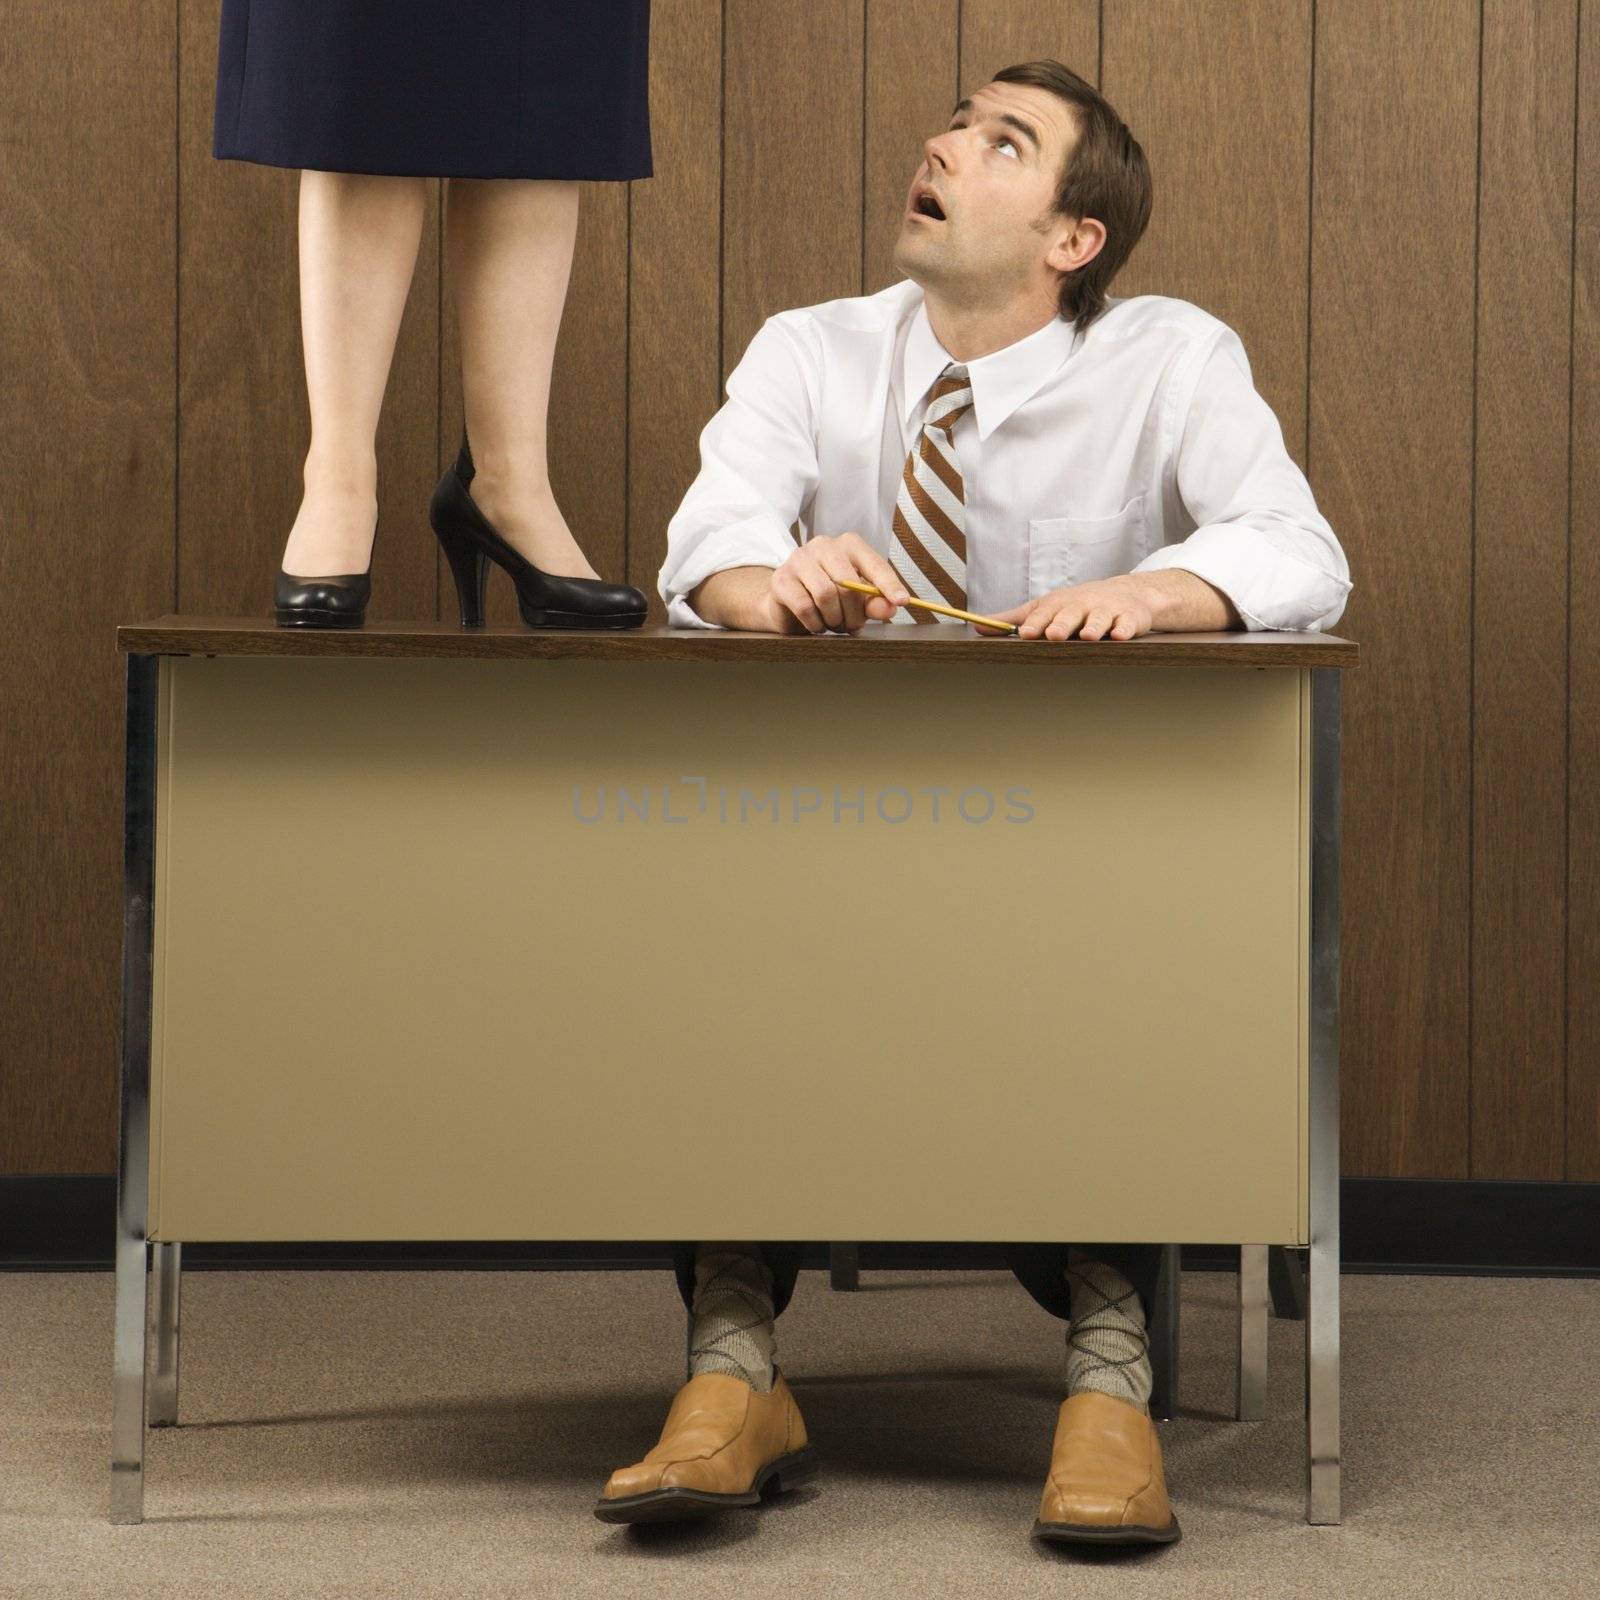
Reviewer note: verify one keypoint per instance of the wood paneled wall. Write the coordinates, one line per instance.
(1397, 206)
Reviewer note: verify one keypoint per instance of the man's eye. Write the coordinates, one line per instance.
(1005, 141)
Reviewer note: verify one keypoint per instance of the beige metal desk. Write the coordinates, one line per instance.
(434, 934)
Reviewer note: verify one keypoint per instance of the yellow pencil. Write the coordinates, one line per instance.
(931, 605)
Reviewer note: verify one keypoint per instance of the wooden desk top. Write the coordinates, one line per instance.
(878, 641)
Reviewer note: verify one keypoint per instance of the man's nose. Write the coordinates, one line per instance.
(936, 150)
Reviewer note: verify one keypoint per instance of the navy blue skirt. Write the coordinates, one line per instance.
(437, 88)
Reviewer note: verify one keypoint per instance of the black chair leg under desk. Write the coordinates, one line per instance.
(1162, 1331)
(1286, 1280)
(844, 1266)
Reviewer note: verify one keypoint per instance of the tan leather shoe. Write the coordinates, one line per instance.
(1105, 1485)
(721, 1446)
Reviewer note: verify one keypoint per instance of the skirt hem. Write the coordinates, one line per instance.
(565, 175)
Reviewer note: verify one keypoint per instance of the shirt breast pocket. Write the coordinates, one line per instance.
(1063, 551)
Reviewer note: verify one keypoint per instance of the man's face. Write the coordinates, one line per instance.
(993, 174)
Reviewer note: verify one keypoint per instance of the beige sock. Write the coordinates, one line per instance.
(1107, 1348)
(732, 1331)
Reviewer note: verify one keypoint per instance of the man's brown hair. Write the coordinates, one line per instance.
(1106, 177)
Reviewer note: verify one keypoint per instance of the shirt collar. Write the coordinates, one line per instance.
(1001, 381)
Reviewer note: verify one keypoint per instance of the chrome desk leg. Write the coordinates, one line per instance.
(844, 1266)
(164, 1385)
(127, 1405)
(1322, 1311)
(133, 1153)
(1251, 1387)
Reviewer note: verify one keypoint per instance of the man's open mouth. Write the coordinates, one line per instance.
(926, 205)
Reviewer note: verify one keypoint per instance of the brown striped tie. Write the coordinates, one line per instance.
(928, 545)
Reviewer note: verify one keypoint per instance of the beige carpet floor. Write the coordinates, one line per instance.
(421, 1434)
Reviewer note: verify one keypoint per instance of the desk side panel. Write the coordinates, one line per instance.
(165, 682)
(410, 991)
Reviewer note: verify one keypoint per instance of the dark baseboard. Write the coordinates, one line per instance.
(1490, 1226)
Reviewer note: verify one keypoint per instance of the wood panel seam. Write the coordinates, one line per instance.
(1472, 609)
(1311, 218)
(177, 296)
(1572, 452)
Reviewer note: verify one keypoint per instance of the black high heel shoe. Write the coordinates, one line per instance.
(544, 599)
(339, 601)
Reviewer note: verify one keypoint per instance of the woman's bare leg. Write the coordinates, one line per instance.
(358, 246)
(508, 243)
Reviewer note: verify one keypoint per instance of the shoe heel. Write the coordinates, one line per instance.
(790, 1473)
(469, 566)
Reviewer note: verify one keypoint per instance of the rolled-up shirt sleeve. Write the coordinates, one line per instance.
(1259, 537)
(758, 471)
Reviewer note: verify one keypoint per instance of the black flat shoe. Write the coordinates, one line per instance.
(339, 601)
(543, 599)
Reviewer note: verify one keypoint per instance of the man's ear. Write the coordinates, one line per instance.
(1076, 246)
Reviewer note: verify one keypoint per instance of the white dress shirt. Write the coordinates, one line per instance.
(1137, 445)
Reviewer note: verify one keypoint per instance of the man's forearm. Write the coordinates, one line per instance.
(734, 598)
(1181, 602)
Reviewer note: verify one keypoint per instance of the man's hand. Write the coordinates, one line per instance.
(1124, 607)
(804, 595)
